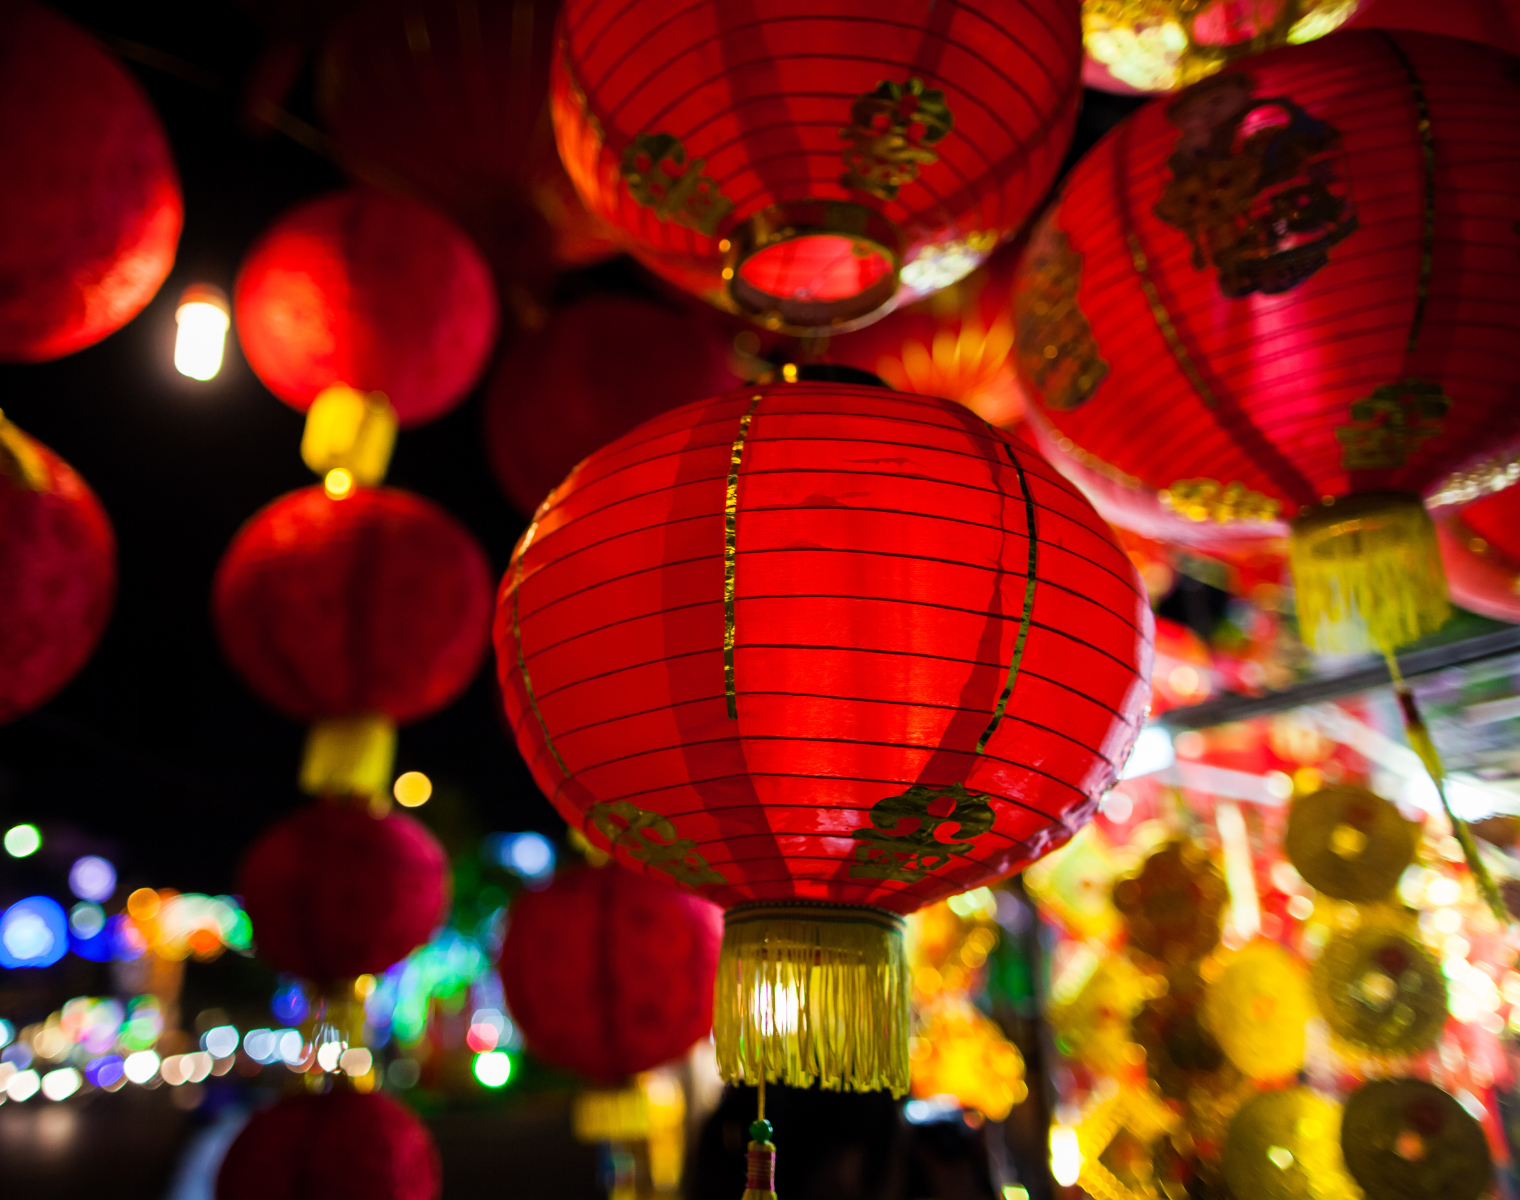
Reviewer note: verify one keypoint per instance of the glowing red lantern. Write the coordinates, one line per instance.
(608, 973)
(340, 1146)
(358, 614)
(585, 378)
(822, 653)
(1275, 299)
(91, 208)
(58, 563)
(371, 291)
(1480, 549)
(756, 156)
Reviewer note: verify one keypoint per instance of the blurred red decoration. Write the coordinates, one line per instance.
(376, 603)
(334, 892)
(340, 1146)
(597, 368)
(1480, 548)
(1492, 22)
(754, 155)
(372, 291)
(608, 973)
(1184, 669)
(90, 211)
(57, 572)
(1283, 296)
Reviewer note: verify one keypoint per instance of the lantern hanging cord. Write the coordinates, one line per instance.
(1423, 745)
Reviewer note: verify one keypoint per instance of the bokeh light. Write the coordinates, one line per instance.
(33, 933)
(529, 855)
(106, 1071)
(412, 788)
(289, 1003)
(92, 878)
(22, 840)
(494, 1068)
(61, 1084)
(140, 1067)
(201, 339)
(22, 1085)
(221, 1042)
(338, 483)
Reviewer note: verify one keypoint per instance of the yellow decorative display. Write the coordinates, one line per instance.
(1075, 885)
(349, 756)
(1409, 1140)
(1056, 347)
(1093, 1026)
(1349, 843)
(1380, 991)
(1117, 1141)
(1221, 503)
(1174, 905)
(1286, 1146)
(19, 458)
(1257, 1010)
(349, 431)
(960, 1052)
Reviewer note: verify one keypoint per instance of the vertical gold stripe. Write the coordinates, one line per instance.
(1164, 322)
(1033, 574)
(522, 661)
(1428, 158)
(731, 555)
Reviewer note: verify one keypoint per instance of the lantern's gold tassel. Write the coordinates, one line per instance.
(813, 991)
(349, 756)
(1367, 574)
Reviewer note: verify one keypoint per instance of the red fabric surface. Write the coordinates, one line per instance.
(57, 579)
(597, 369)
(90, 209)
(760, 91)
(608, 973)
(1480, 549)
(1277, 370)
(379, 602)
(1492, 22)
(374, 291)
(333, 892)
(881, 573)
(341, 1146)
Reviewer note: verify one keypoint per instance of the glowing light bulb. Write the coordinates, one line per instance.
(412, 788)
(493, 1069)
(1065, 1155)
(203, 322)
(21, 840)
(338, 483)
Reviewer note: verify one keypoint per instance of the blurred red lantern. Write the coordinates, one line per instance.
(822, 653)
(91, 208)
(1492, 22)
(334, 892)
(57, 572)
(1480, 549)
(340, 1146)
(371, 291)
(608, 973)
(597, 368)
(1277, 298)
(753, 154)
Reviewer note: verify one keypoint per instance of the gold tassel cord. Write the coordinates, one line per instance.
(813, 991)
(1367, 574)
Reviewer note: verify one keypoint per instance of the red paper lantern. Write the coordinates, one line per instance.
(1480, 549)
(796, 649)
(597, 369)
(57, 572)
(91, 208)
(608, 973)
(1280, 297)
(340, 1146)
(368, 290)
(334, 892)
(814, 167)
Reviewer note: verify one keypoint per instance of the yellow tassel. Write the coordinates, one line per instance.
(349, 431)
(1367, 574)
(349, 756)
(813, 991)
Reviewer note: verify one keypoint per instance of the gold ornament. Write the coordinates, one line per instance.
(1257, 1010)
(1405, 1139)
(1181, 1055)
(1174, 904)
(959, 1052)
(1075, 885)
(1286, 1146)
(1380, 991)
(1348, 842)
(1119, 1141)
(1093, 1027)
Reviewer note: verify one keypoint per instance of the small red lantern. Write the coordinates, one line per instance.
(757, 156)
(370, 291)
(608, 973)
(334, 892)
(822, 653)
(585, 378)
(1280, 297)
(1480, 549)
(58, 564)
(90, 211)
(340, 1146)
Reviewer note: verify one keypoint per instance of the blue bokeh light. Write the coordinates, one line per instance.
(33, 933)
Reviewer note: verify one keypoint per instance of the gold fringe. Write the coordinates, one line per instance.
(349, 756)
(813, 991)
(1367, 574)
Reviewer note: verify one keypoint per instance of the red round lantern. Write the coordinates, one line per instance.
(334, 892)
(822, 653)
(1480, 549)
(91, 208)
(371, 291)
(756, 156)
(340, 1146)
(58, 561)
(1278, 297)
(608, 973)
(565, 390)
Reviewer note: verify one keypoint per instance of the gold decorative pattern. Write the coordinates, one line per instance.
(1221, 503)
(731, 554)
(1389, 425)
(889, 135)
(652, 839)
(902, 843)
(659, 177)
(1262, 208)
(1056, 348)
(1482, 479)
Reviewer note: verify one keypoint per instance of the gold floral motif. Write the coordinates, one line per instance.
(890, 132)
(1263, 208)
(1221, 503)
(1389, 425)
(902, 842)
(659, 177)
(652, 839)
(1055, 343)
